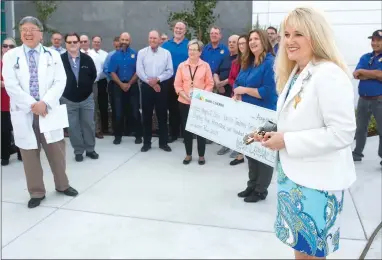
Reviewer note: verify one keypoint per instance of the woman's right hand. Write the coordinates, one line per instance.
(185, 96)
(236, 97)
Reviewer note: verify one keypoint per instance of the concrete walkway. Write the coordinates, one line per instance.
(149, 205)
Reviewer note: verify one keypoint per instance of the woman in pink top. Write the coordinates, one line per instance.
(192, 73)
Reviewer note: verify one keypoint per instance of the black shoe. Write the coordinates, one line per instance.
(236, 162)
(69, 192)
(145, 148)
(117, 140)
(172, 139)
(35, 202)
(138, 140)
(165, 148)
(4, 162)
(357, 157)
(186, 162)
(19, 157)
(255, 197)
(245, 193)
(93, 155)
(202, 162)
(79, 157)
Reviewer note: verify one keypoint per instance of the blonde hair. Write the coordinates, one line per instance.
(312, 24)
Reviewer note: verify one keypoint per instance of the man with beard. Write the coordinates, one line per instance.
(177, 46)
(122, 68)
(154, 66)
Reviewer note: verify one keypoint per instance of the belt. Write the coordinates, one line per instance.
(372, 98)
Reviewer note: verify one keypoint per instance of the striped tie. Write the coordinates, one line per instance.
(33, 79)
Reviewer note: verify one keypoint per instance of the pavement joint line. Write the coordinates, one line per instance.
(60, 207)
(358, 215)
(26, 231)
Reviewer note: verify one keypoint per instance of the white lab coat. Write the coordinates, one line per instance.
(52, 81)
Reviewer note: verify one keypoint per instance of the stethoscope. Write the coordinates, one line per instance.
(17, 66)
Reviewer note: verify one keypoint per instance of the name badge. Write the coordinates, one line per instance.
(133, 56)
(222, 52)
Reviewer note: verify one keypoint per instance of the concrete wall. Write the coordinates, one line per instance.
(352, 21)
(110, 18)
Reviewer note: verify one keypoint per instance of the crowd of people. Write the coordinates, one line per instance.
(298, 73)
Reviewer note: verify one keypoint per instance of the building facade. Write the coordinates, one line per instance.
(109, 18)
(352, 21)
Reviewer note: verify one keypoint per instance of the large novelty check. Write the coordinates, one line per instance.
(226, 121)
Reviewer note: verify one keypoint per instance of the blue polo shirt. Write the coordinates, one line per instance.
(276, 48)
(261, 77)
(179, 52)
(214, 56)
(123, 63)
(370, 87)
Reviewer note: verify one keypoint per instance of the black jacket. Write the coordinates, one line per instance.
(81, 90)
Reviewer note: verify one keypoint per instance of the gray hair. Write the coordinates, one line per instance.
(10, 39)
(32, 20)
(197, 42)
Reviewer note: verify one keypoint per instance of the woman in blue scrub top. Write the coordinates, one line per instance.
(256, 85)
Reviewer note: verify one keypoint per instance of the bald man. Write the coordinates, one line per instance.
(85, 48)
(177, 46)
(154, 66)
(122, 69)
(222, 72)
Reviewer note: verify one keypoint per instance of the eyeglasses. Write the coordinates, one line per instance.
(10, 46)
(72, 42)
(25, 30)
(83, 41)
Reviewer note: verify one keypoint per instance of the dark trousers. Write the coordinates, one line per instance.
(365, 109)
(7, 149)
(260, 176)
(173, 109)
(188, 136)
(157, 100)
(103, 103)
(124, 102)
(110, 89)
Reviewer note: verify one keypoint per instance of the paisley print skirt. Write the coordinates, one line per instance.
(308, 220)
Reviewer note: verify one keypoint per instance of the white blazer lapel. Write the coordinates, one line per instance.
(281, 99)
(297, 85)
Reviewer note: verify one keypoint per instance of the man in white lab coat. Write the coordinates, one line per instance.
(34, 78)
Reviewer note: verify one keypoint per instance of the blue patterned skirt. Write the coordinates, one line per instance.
(308, 220)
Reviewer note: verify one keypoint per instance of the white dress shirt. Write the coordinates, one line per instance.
(97, 61)
(102, 55)
(154, 64)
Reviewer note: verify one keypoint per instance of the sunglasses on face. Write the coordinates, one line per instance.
(83, 41)
(72, 42)
(10, 46)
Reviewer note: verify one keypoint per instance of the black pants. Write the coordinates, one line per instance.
(110, 89)
(260, 176)
(157, 100)
(124, 102)
(103, 103)
(188, 136)
(7, 149)
(173, 109)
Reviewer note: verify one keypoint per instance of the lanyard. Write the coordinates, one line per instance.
(192, 75)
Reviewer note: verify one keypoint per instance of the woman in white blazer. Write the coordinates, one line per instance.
(315, 130)
(34, 78)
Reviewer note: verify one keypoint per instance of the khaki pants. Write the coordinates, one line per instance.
(55, 152)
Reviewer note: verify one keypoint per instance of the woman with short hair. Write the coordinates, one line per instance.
(192, 73)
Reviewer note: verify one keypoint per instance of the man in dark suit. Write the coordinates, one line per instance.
(78, 97)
